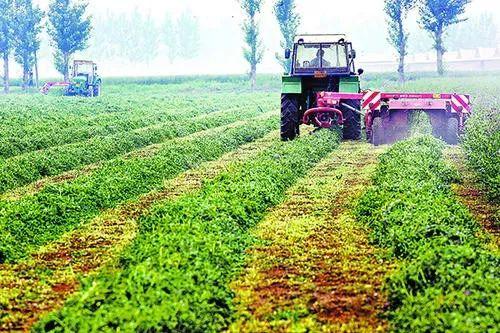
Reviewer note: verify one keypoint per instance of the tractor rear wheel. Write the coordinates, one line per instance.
(451, 136)
(289, 117)
(352, 120)
(377, 132)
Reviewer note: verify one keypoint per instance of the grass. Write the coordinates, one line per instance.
(42, 283)
(35, 220)
(313, 269)
(202, 237)
(447, 279)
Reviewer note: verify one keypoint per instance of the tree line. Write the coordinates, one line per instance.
(140, 38)
(435, 17)
(22, 22)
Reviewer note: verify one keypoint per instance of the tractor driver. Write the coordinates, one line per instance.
(316, 62)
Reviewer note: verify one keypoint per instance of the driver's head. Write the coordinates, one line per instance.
(320, 53)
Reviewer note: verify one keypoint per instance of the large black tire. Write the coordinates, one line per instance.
(97, 90)
(289, 117)
(352, 120)
(451, 136)
(377, 132)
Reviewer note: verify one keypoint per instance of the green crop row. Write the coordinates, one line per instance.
(24, 134)
(35, 220)
(447, 281)
(175, 275)
(24, 169)
(482, 147)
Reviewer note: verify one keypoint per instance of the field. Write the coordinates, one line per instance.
(171, 205)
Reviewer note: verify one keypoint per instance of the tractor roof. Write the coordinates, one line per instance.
(320, 38)
(81, 62)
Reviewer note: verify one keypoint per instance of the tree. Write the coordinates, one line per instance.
(6, 37)
(465, 36)
(27, 29)
(289, 21)
(253, 52)
(397, 11)
(188, 31)
(69, 28)
(435, 17)
(169, 37)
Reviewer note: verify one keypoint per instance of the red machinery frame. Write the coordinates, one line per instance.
(372, 102)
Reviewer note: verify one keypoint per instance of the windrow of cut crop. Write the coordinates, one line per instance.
(27, 168)
(45, 280)
(35, 220)
(19, 135)
(482, 147)
(447, 279)
(175, 275)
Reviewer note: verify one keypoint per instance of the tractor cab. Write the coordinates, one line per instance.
(322, 55)
(83, 69)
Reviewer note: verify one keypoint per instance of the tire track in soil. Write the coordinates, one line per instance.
(470, 194)
(42, 283)
(313, 268)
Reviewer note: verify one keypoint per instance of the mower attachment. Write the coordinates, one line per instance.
(49, 85)
(387, 114)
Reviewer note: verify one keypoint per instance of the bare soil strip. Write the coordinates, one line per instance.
(473, 196)
(42, 283)
(314, 269)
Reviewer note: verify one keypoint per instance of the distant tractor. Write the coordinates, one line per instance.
(84, 80)
(323, 90)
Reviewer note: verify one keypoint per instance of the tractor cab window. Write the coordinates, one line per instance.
(335, 55)
(83, 69)
(314, 56)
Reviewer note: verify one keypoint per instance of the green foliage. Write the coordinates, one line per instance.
(27, 29)
(289, 22)
(69, 29)
(27, 168)
(397, 11)
(446, 282)
(6, 26)
(35, 220)
(254, 51)
(447, 288)
(188, 31)
(482, 146)
(436, 16)
(175, 276)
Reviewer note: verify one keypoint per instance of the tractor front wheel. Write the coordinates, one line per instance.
(289, 117)
(352, 119)
(377, 132)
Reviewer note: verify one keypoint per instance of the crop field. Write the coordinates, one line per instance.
(171, 205)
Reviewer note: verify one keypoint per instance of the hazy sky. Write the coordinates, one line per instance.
(362, 20)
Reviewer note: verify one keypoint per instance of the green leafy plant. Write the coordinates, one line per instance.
(175, 275)
(446, 281)
(35, 220)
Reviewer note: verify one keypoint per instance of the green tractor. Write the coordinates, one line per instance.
(320, 63)
(84, 81)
